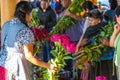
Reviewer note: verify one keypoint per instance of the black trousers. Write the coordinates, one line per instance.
(102, 68)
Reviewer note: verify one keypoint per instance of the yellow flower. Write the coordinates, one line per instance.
(81, 3)
(77, 14)
(82, 13)
(71, 8)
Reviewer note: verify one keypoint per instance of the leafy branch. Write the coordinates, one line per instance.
(75, 8)
(94, 50)
(59, 54)
(35, 20)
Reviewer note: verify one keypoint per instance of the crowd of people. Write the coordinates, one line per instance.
(17, 39)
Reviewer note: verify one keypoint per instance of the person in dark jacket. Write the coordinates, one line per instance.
(47, 19)
(46, 16)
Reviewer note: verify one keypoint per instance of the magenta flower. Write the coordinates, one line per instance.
(39, 34)
(101, 78)
(71, 47)
(55, 38)
(65, 41)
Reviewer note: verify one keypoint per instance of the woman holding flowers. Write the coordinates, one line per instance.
(17, 46)
(115, 42)
(95, 22)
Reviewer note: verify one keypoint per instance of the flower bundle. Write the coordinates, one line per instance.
(94, 50)
(62, 48)
(65, 41)
(101, 78)
(75, 8)
(40, 35)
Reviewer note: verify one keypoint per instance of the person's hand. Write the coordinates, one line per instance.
(116, 28)
(67, 13)
(77, 48)
(42, 26)
(53, 67)
(105, 42)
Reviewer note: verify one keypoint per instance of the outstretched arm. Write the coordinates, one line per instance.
(82, 42)
(68, 13)
(28, 50)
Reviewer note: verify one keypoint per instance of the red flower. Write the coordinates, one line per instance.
(39, 34)
(3, 73)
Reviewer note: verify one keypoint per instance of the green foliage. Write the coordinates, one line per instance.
(59, 54)
(93, 51)
(35, 20)
(36, 47)
(62, 25)
(76, 5)
(66, 21)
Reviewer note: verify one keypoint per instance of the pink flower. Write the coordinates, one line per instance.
(3, 73)
(101, 78)
(55, 38)
(65, 39)
(71, 47)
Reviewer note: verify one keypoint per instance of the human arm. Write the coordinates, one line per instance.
(68, 13)
(114, 35)
(26, 38)
(82, 42)
(28, 50)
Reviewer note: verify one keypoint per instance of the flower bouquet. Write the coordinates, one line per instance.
(76, 9)
(63, 47)
(41, 35)
(93, 51)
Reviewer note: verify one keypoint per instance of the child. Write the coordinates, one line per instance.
(115, 42)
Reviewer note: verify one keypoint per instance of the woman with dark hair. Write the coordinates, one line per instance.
(17, 46)
(95, 23)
